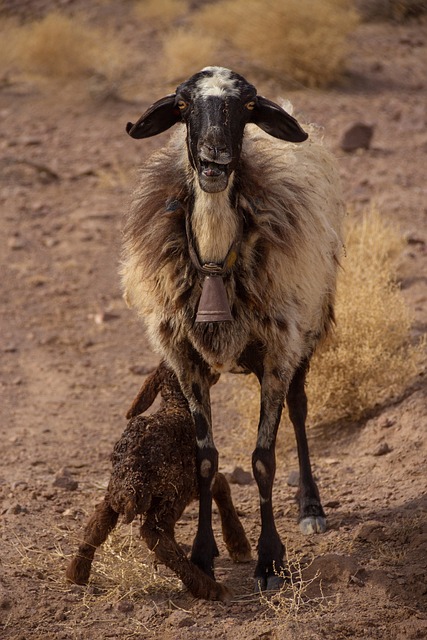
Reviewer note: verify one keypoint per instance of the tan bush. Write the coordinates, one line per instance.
(58, 47)
(162, 11)
(369, 357)
(297, 40)
(396, 10)
(187, 50)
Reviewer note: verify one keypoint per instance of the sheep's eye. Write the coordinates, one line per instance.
(250, 105)
(181, 104)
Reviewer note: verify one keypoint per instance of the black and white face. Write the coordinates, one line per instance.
(215, 105)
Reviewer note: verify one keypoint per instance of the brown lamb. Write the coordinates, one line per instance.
(154, 475)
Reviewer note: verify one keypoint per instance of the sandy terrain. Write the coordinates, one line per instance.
(73, 356)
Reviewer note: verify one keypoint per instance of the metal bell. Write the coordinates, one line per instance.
(213, 304)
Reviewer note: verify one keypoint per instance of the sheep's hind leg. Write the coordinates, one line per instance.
(235, 539)
(161, 540)
(311, 517)
(100, 525)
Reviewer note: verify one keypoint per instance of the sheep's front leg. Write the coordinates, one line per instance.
(270, 547)
(204, 546)
(195, 380)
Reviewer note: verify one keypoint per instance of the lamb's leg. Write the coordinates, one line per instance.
(160, 539)
(232, 530)
(270, 547)
(99, 526)
(312, 517)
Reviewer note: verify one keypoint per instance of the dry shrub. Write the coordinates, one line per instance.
(123, 566)
(185, 51)
(122, 571)
(396, 10)
(59, 47)
(299, 595)
(163, 11)
(369, 358)
(298, 40)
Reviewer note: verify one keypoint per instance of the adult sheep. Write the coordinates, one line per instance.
(229, 203)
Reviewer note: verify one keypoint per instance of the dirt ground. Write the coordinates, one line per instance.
(73, 356)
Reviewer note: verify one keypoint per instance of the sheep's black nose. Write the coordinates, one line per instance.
(215, 153)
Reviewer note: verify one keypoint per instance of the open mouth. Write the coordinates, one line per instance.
(213, 169)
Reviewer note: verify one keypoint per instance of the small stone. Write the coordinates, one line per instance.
(125, 606)
(358, 578)
(180, 619)
(10, 348)
(358, 136)
(60, 616)
(51, 242)
(5, 601)
(141, 369)
(413, 237)
(15, 509)
(293, 479)
(19, 484)
(382, 449)
(332, 504)
(64, 480)
(385, 422)
(239, 476)
(331, 461)
(16, 244)
(104, 316)
(371, 531)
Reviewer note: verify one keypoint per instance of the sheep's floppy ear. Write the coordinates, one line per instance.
(275, 121)
(159, 117)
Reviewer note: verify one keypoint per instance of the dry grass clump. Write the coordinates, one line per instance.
(58, 47)
(396, 10)
(369, 358)
(302, 41)
(123, 573)
(187, 50)
(162, 11)
(123, 568)
(299, 594)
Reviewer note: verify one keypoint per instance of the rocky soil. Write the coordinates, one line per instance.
(73, 357)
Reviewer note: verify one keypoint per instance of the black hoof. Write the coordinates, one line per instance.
(269, 583)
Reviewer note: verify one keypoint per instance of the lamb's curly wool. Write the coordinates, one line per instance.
(154, 475)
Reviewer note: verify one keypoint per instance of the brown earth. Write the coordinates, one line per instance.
(73, 356)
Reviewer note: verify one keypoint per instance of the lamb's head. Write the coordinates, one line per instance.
(215, 105)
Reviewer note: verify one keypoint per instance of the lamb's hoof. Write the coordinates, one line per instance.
(78, 571)
(312, 524)
(242, 555)
(225, 594)
(270, 583)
